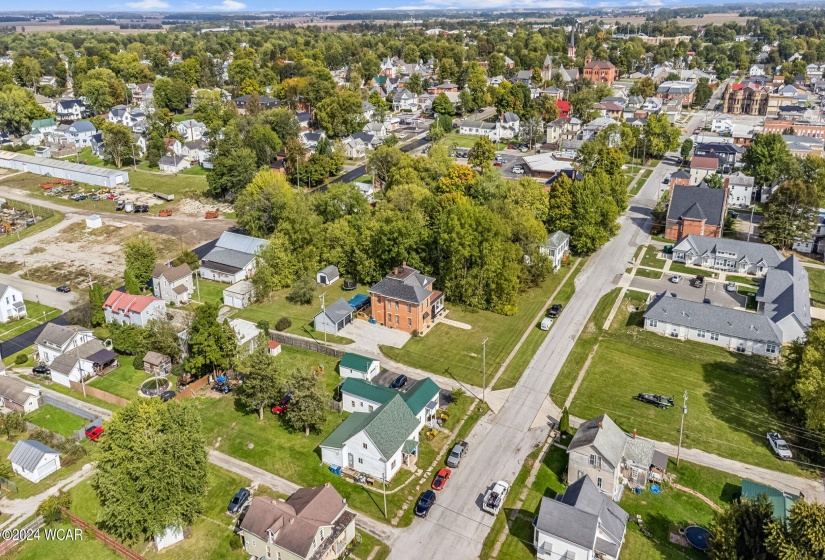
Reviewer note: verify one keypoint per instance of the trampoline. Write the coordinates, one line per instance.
(698, 537)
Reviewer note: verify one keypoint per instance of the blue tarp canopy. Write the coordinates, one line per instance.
(358, 301)
(221, 379)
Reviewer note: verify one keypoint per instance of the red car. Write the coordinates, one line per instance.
(497, 164)
(94, 433)
(281, 407)
(441, 478)
(511, 147)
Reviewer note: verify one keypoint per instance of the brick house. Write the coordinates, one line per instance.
(405, 300)
(695, 210)
(701, 167)
(599, 71)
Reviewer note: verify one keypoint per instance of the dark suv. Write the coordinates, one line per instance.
(239, 501)
(554, 311)
(424, 503)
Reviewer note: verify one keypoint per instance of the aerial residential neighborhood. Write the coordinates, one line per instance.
(395, 281)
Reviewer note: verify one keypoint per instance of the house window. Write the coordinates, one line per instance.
(700, 333)
(409, 322)
(714, 336)
(652, 323)
(360, 461)
(392, 465)
(599, 482)
(353, 404)
(371, 408)
(396, 306)
(365, 445)
(595, 460)
(397, 320)
(409, 308)
(770, 348)
(377, 299)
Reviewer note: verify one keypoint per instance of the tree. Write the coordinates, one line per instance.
(530, 196)
(564, 421)
(482, 153)
(645, 87)
(208, 341)
(740, 530)
(703, 93)
(715, 181)
(155, 148)
(370, 66)
(767, 158)
(415, 84)
(151, 469)
(383, 160)
(560, 205)
(187, 257)
(442, 105)
(118, 141)
(801, 537)
(102, 90)
(171, 94)
(18, 108)
(140, 257)
(687, 147)
(27, 71)
(96, 301)
(660, 136)
(789, 213)
(13, 423)
(263, 384)
(263, 141)
(130, 284)
(264, 203)
(303, 291)
(233, 165)
(799, 384)
(340, 114)
(308, 408)
(161, 337)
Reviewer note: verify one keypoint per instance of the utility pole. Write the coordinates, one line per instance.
(323, 311)
(681, 429)
(484, 368)
(384, 480)
(750, 225)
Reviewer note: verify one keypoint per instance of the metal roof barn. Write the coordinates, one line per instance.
(64, 170)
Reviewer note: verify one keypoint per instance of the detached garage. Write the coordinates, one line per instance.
(335, 317)
(239, 295)
(33, 461)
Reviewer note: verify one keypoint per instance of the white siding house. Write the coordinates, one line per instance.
(12, 305)
(359, 367)
(556, 248)
(128, 309)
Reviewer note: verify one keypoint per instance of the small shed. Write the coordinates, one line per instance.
(239, 295)
(328, 275)
(170, 536)
(359, 367)
(335, 317)
(274, 347)
(33, 461)
(781, 502)
(246, 332)
(94, 221)
(156, 363)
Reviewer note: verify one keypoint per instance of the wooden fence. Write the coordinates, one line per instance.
(105, 538)
(99, 394)
(192, 387)
(306, 344)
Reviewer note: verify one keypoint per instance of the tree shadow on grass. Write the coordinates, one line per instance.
(520, 526)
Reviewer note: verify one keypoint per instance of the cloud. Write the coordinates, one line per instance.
(148, 4)
(228, 6)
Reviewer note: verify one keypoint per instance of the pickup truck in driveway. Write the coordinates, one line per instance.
(458, 452)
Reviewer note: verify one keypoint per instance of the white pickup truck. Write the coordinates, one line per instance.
(494, 498)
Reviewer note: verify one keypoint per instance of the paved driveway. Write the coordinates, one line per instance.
(714, 291)
(368, 336)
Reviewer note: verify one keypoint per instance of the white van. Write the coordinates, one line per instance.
(545, 324)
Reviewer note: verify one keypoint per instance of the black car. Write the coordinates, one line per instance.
(656, 400)
(699, 281)
(167, 395)
(64, 289)
(554, 311)
(222, 387)
(399, 382)
(424, 503)
(41, 369)
(239, 501)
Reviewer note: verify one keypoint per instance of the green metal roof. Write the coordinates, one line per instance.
(41, 123)
(420, 393)
(781, 501)
(367, 391)
(356, 362)
(389, 427)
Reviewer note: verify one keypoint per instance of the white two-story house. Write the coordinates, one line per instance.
(55, 340)
(173, 284)
(556, 248)
(129, 309)
(12, 305)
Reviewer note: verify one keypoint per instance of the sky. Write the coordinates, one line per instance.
(266, 5)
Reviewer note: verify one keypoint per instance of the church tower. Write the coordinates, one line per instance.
(571, 46)
(547, 69)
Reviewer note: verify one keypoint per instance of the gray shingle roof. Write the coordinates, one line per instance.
(338, 310)
(27, 453)
(234, 250)
(556, 239)
(331, 271)
(785, 292)
(14, 389)
(603, 434)
(412, 287)
(58, 335)
(712, 318)
(710, 201)
(752, 252)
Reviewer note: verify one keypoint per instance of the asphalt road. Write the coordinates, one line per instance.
(499, 443)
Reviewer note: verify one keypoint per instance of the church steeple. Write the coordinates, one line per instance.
(571, 46)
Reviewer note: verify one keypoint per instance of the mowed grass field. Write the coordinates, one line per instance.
(729, 408)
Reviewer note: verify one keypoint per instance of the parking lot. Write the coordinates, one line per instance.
(712, 290)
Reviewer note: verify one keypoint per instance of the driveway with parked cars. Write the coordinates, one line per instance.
(684, 288)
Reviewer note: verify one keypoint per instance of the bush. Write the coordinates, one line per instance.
(51, 508)
(283, 324)
(137, 362)
(102, 333)
(21, 359)
(235, 542)
(457, 396)
(303, 291)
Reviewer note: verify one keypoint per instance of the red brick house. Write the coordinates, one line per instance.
(599, 71)
(697, 211)
(405, 300)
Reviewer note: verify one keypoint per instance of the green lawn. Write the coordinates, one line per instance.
(683, 269)
(729, 393)
(38, 313)
(746, 280)
(534, 340)
(456, 353)
(87, 548)
(301, 315)
(10, 360)
(651, 257)
(57, 420)
(46, 382)
(209, 291)
(466, 141)
(180, 185)
(648, 273)
(816, 282)
(124, 381)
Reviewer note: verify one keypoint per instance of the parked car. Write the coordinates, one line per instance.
(779, 446)
(424, 503)
(511, 147)
(555, 310)
(676, 278)
(167, 396)
(119, 206)
(399, 382)
(238, 501)
(699, 281)
(494, 497)
(458, 452)
(64, 289)
(441, 478)
(41, 369)
(730, 287)
(546, 323)
(666, 180)
(655, 400)
(497, 164)
(94, 433)
(518, 170)
(523, 149)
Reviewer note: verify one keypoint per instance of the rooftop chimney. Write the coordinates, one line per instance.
(601, 426)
